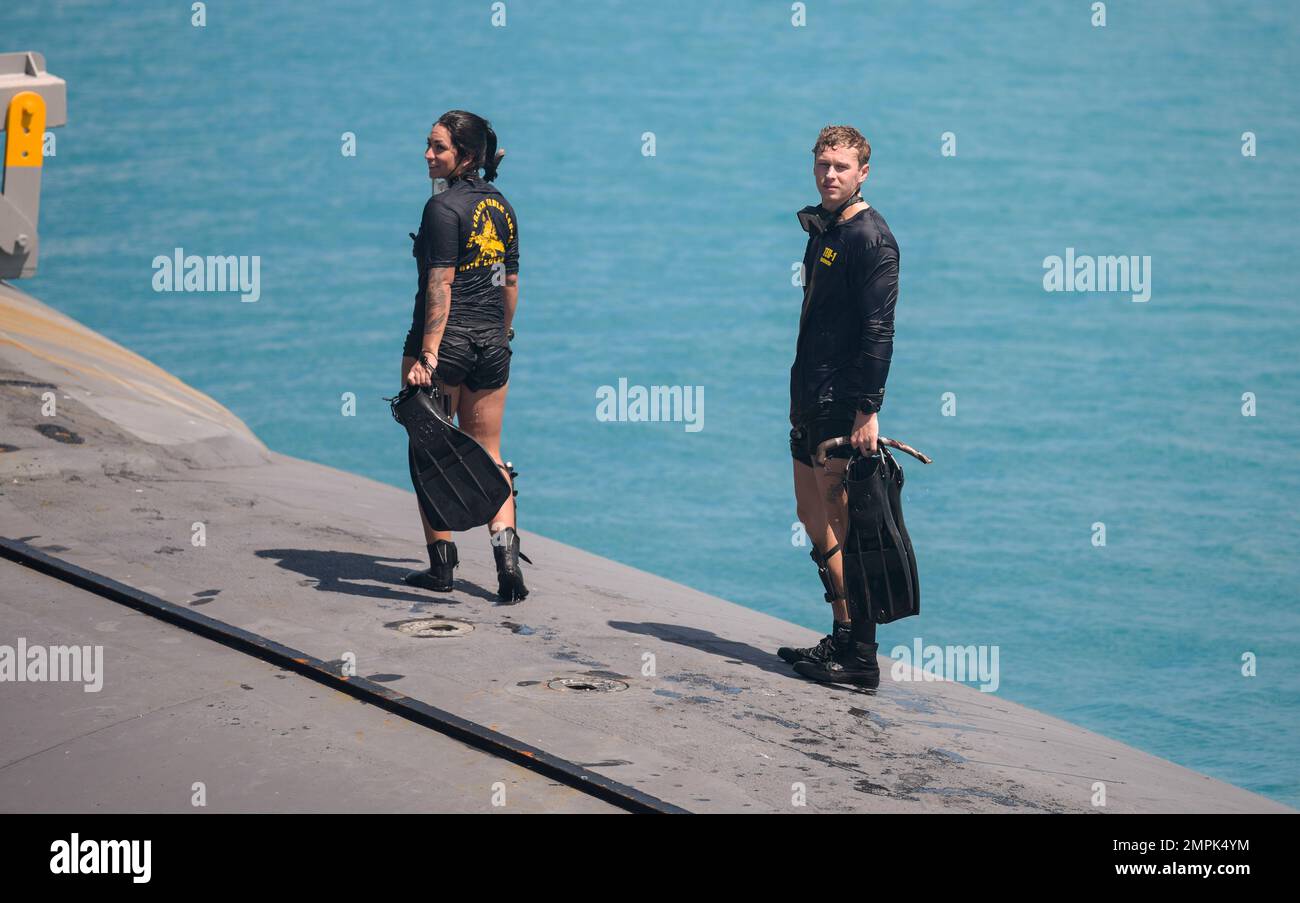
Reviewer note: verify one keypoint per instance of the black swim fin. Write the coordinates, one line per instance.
(457, 482)
(880, 576)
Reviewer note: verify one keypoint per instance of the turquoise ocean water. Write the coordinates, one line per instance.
(675, 269)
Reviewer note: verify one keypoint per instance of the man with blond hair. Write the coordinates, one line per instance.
(837, 383)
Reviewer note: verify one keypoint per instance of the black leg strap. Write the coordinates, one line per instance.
(824, 571)
(830, 553)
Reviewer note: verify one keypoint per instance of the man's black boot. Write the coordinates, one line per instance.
(852, 663)
(443, 560)
(822, 652)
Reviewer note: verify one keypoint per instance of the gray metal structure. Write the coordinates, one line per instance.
(31, 100)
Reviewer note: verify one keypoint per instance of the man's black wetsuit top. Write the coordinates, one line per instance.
(846, 331)
(472, 227)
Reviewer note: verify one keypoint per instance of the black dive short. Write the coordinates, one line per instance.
(805, 438)
(476, 358)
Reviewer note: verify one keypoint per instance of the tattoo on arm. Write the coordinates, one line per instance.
(437, 304)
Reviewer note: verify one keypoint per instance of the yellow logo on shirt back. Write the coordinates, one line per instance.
(484, 239)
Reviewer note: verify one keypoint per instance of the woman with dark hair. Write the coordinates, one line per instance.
(467, 252)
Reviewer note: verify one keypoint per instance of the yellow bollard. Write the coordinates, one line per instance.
(25, 129)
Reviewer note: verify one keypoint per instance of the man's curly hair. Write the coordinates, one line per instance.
(847, 135)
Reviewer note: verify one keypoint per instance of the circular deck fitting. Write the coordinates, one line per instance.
(586, 685)
(435, 627)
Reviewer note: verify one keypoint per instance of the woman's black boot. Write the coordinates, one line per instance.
(443, 560)
(510, 579)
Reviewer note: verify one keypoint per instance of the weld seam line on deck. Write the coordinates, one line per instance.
(469, 732)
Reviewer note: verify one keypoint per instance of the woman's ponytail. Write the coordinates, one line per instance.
(491, 156)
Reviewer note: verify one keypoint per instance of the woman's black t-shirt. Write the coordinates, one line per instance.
(472, 227)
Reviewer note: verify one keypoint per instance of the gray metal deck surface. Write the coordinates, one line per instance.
(312, 557)
(176, 709)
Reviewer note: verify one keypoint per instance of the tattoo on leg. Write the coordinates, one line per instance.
(833, 494)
